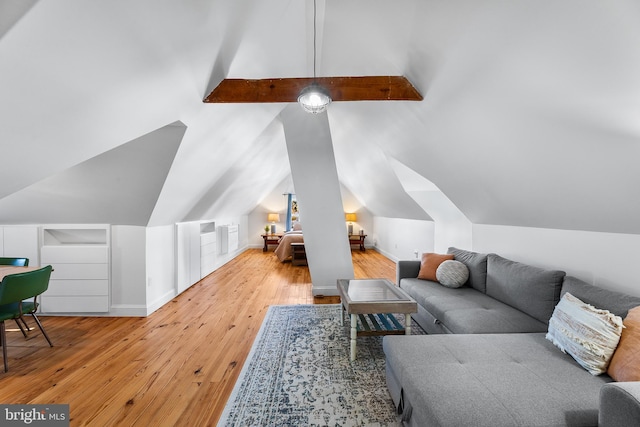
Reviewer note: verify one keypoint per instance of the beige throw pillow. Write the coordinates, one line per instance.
(588, 334)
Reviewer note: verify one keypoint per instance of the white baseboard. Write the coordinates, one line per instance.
(128, 310)
(159, 302)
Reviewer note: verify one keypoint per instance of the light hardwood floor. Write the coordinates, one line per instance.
(176, 367)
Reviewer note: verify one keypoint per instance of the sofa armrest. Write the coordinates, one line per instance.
(619, 404)
(407, 268)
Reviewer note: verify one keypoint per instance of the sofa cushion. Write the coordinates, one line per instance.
(587, 333)
(491, 380)
(477, 265)
(625, 363)
(452, 273)
(467, 311)
(430, 263)
(531, 289)
(616, 302)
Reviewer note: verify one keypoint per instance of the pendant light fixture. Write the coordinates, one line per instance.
(314, 98)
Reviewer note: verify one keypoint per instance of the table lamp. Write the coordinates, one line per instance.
(273, 218)
(351, 218)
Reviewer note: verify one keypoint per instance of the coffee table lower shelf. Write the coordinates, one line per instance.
(379, 324)
(386, 324)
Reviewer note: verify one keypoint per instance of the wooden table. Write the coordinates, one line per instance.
(6, 270)
(357, 239)
(270, 239)
(376, 298)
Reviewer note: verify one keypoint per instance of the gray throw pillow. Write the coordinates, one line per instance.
(452, 274)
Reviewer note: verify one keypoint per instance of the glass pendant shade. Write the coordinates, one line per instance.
(314, 99)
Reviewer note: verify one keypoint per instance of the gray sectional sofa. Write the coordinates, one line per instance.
(486, 361)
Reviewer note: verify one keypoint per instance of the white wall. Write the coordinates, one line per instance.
(128, 271)
(20, 241)
(604, 259)
(160, 264)
(452, 228)
(608, 260)
(257, 219)
(364, 217)
(398, 238)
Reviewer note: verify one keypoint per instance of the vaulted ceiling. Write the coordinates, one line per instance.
(530, 117)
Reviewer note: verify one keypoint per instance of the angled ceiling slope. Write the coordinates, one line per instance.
(11, 12)
(120, 186)
(288, 89)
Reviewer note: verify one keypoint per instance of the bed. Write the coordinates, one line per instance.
(283, 250)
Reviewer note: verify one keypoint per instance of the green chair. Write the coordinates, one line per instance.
(14, 289)
(17, 262)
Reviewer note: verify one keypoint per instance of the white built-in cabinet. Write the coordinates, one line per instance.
(195, 252)
(80, 256)
(228, 238)
(187, 255)
(208, 241)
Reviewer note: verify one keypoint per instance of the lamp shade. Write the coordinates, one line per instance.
(273, 217)
(314, 99)
(351, 217)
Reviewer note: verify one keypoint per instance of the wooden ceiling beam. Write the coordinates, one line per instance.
(366, 88)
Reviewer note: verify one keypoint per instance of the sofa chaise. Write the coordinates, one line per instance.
(487, 360)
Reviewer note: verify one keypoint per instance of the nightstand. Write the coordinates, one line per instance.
(357, 239)
(270, 239)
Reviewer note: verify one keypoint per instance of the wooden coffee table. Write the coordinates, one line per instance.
(375, 299)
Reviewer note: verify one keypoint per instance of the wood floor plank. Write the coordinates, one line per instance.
(176, 367)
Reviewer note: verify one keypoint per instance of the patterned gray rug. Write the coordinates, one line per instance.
(299, 374)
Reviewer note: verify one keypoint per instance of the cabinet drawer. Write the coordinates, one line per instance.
(77, 288)
(208, 249)
(88, 304)
(74, 254)
(208, 238)
(80, 271)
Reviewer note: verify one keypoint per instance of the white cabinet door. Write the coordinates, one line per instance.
(187, 255)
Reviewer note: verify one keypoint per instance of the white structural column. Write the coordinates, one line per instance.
(315, 179)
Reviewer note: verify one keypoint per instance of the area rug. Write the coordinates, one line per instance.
(298, 373)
